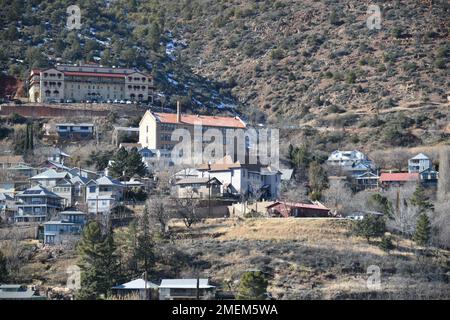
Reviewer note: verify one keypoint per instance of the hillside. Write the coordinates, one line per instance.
(298, 64)
(303, 259)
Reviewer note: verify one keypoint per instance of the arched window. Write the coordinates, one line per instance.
(47, 93)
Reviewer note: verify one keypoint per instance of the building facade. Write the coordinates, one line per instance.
(37, 204)
(68, 83)
(419, 163)
(155, 129)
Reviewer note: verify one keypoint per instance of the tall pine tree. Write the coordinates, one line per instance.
(3, 269)
(134, 165)
(423, 230)
(145, 244)
(119, 163)
(421, 200)
(99, 263)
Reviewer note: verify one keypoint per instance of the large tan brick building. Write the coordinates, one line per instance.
(89, 83)
(155, 129)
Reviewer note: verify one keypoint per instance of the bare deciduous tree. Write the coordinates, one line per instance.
(441, 223)
(294, 193)
(160, 212)
(186, 207)
(338, 196)
(405, 214)
(394, 159)
(444, 174)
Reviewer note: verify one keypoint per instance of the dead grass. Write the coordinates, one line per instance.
(313, 259)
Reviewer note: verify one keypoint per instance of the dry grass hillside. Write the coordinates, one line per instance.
(302, 258)
(312, 259)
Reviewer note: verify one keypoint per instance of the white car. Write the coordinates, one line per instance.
(116, 101)
(129, 102)
(122, 102)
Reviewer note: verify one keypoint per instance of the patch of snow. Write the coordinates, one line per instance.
(174, 82)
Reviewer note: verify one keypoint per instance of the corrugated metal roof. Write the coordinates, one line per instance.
(138, 284)
(50, 174)
(185, 284)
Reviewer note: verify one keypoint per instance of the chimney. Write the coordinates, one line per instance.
(178, 112)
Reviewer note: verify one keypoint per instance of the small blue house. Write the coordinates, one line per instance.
(69, 226)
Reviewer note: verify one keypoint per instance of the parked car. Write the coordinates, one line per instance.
(128, 102)
(122, 102)
(116, 101)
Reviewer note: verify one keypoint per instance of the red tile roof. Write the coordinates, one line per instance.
(213, 121)
(400, 177)
(95, 74)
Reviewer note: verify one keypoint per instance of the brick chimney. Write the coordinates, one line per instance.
(178, 112)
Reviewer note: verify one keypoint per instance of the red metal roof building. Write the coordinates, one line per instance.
(398, 179)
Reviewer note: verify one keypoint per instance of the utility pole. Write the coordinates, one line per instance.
(198, 287)
(146, 290)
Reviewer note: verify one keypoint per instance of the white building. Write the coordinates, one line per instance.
(346, 158)
(186, 289)
(49, 178)
(240, 179)
(103, 194)
(419, 163)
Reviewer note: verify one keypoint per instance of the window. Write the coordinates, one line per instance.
(92, 189)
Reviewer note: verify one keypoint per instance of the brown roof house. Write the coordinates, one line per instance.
(298, 210)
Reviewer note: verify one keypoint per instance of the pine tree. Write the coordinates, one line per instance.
(317, 180)
(369, 227)
(423, 230)
(31, 139)
(3, 270)
(27, 138)
(291, 151)
(386, 243)
(252, 286)
(421, 200)
(119, 163)
(144, 252)
(98, 262)
(134, 165)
